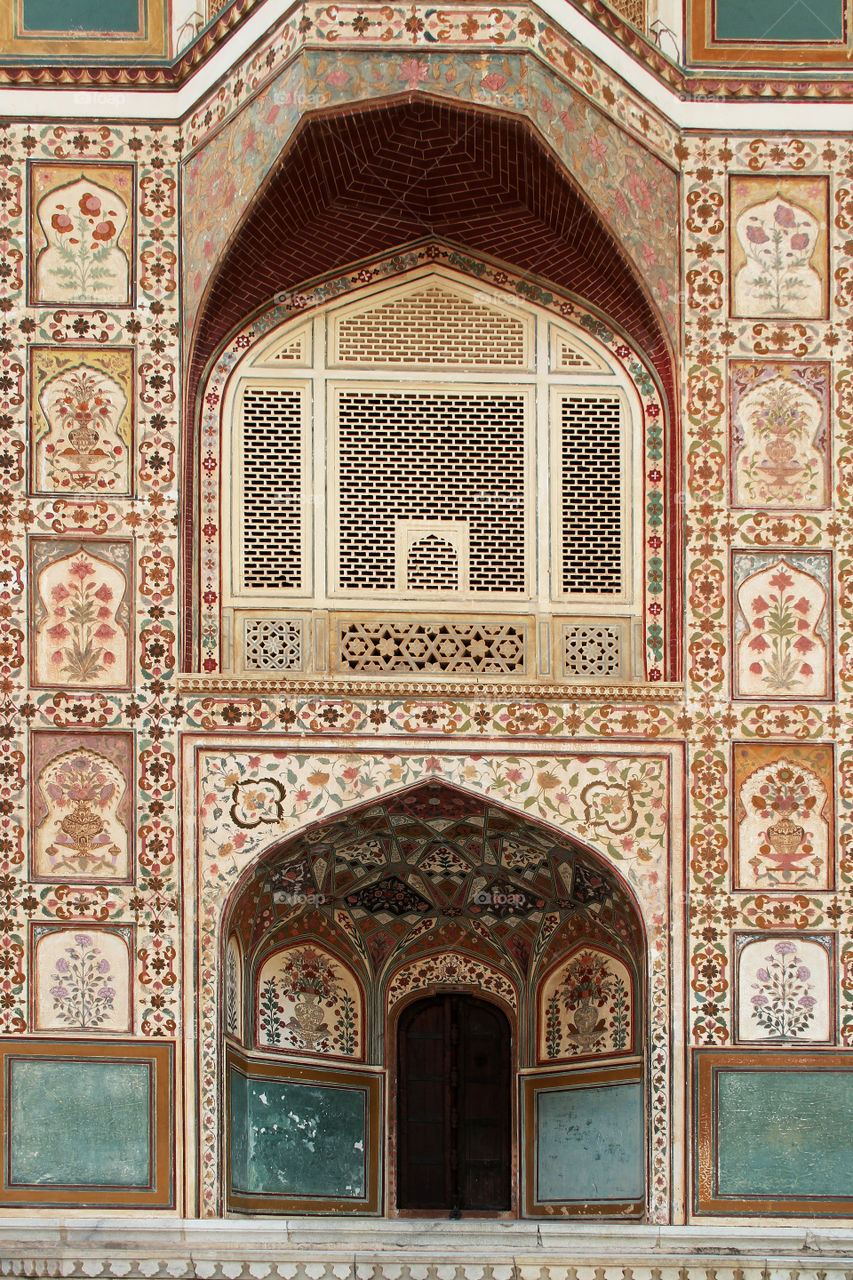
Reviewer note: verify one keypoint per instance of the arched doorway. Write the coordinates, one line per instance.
(527, 949)
(454, 1106)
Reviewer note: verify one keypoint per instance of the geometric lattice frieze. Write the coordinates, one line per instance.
(592, 650)
(591, 493)
(273, 644)
(433, 327)
(452, 646)
(272, 487)
(433, 456)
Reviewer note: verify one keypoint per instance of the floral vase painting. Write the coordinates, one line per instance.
(309, 1002)
(82, 235)
(781, 626)
(784, 988)
(82, 798)
(778, 247)
(780, 433)
(783, 817)
(81, 610)
(82, 420)
(82, 980)
(585, 1008)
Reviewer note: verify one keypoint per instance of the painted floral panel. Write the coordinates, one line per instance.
(81, 613)
(585, 1007)
(81, 405)
(82, 978)
(778, 246)
(780, 422)
(783, 816)
(784, 987)
(452, 968)
(233, 999)
(782, 625)
(82, 806)
(309, 1002)
(81, 234)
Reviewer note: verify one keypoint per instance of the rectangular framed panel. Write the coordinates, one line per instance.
(584, 1142)
(302, 1139)
(87, 1124)
(773, 1133)
(769, 35)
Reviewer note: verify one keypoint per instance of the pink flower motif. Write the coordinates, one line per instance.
(755, 668)
(756, 235)
(104, 632)
(802, 606)
(803, 644)
(760, 605)
(806, 670)
(59, 593)
(598, 149)
(90, 205)
(785, 948)
(784, 216)
(800, 241)
(494, 81)
(337, 78)
(58, 632)
(413, 72)
(759, 644)
(781, 580)
(62, 223)
(104, 593)
(108, 658)
(104, 231)
(81, 569)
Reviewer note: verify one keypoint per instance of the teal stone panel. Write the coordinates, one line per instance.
(769, 22)
(79, 1122)
(589, 1144)
(83, 17)
(784, 1133)
(298, 1139)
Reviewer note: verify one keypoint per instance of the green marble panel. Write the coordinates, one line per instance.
(784, 1133)
(589, 1144)
(85, 17)
(768, 22)
(298, 1139)
(81, 1123)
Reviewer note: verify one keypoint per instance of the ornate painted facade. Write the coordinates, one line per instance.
(274, 785)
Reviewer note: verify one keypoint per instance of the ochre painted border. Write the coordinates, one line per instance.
(531, 1087)
(160, 1193)
(369, 1082)
(707, 1064)
(704, 47)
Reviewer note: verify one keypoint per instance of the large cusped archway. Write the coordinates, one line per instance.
(330, 937)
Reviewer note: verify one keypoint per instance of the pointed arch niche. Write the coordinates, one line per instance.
(369, 444)
(332, 935)
(365, 197)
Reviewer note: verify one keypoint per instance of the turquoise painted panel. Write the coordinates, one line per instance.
(784, 1133)
(589, 1144)
(79, 1123)
(97, 17)
(767, 21)
(298, 1139)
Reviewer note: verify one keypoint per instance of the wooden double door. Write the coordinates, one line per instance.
(454, 1142)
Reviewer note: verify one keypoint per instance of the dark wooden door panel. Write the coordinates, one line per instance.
(454, 1111)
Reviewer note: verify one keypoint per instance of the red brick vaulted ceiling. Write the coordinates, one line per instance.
(370, 179)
